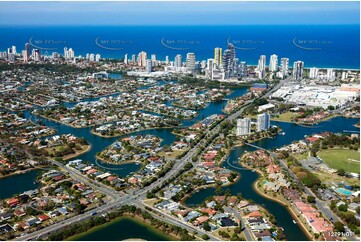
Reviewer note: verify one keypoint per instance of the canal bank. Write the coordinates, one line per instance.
(18, 183)
(130, 226)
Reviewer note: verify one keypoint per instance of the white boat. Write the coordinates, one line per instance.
(294, 221)
(283, 133)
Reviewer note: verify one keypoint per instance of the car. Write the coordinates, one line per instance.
(94, 213)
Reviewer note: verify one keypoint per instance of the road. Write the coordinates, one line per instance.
(246, 230)
(137, 194)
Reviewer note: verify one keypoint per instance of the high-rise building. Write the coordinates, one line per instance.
(37, 55)
(133, 59)
(153, 59)
(190, 61)
(209, 68)
(284, 67)
(298, 70)
(243, 126)
(126, 59)
(262, 67)
(27, 52)
(313, 72)
(148, 67)
(97, 57)
(142, 59)
(228, 61)
(178, 61)
(243, 69)
(92, 57)
(218, 56)
(13, 49)
(273, 63)
(344, 75)
(167, 59)
(331, 75)
(263, 122)
(203, 64)
(25, 55)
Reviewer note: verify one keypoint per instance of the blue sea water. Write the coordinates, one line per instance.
(334, 46)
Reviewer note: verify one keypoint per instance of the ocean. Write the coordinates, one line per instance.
(322, 46)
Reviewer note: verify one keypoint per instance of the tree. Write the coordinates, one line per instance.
(311, 199)
(342, 207)
(341, 172)
(206, 226)
(339, 227)
(205, 237)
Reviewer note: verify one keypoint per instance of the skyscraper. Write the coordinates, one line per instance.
(154, 59)
(330, 75)
(148, 67)
(167, 59)
(298, 70)
(126, 59)
(133, 59)
(27, 51)
(190, 61)
(243, 126)
(262, 67)
(97, 57)
(37, 55)
(228, 61)
(273, 63)
(263, 122)
(142, 59)
(218, 56)
(243, 69)
(284, 67)
(178, 61)
(313, 72)
(13, 48)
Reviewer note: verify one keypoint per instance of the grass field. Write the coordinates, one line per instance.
(349, 160)
(286, 117)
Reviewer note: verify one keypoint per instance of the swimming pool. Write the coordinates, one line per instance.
(343, 191)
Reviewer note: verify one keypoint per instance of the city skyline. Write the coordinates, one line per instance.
(173, 13)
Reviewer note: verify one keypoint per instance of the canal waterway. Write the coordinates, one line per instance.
(16, 184)
(243, 186)
(122, 229)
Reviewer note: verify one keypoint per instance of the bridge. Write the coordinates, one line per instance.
(255, 146)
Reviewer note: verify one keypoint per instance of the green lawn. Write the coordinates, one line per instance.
(286, 117)
(349, 160)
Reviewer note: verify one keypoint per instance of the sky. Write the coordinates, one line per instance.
(178, 13)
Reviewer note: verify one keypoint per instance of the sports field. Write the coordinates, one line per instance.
(349, 160)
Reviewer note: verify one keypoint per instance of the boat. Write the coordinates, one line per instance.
(283, 133)
(294, 221)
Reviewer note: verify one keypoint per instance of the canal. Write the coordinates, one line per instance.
(16, 184)
(124, 228)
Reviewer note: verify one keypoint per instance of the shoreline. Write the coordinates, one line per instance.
(20, 172)
(134, 218)
(78, 154)
(287, 206)
(141, 130)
